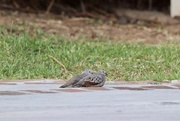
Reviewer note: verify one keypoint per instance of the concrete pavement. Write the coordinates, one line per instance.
(43, 100)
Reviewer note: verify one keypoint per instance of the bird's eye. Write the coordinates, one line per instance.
(90, 72)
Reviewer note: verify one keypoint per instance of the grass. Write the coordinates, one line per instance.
(27, 57)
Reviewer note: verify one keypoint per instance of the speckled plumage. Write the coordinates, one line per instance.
(93, 80)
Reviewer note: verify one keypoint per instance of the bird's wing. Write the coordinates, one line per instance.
(71, 81)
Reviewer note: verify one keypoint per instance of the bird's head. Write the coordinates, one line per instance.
(88, 71)
(103, 72)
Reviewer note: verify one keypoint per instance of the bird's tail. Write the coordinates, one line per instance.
(63, 86)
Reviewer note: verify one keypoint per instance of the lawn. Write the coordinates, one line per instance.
(41, 56)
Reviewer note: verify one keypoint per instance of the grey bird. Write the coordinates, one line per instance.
(93, 80)
(77, 78)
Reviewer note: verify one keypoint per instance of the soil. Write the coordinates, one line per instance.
(82, 27)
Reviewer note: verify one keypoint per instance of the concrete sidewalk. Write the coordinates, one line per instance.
(45, 101)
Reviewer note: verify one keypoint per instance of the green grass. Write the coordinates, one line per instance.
(26, 57)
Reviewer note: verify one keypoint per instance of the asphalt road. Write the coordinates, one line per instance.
(20, 101)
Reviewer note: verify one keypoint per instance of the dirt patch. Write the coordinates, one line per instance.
(170, 103)
(157, 87)
(134, 82)
(6, 83)
(11, 93)
(81, 28)
(176, 85)
(129, 88)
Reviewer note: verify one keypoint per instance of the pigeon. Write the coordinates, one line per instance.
(77, 78)
(93, 80)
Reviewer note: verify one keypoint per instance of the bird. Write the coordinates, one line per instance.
(93, 80)
(77, 78)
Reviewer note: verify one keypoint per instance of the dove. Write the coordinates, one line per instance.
(77, 78)
(93, 80)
